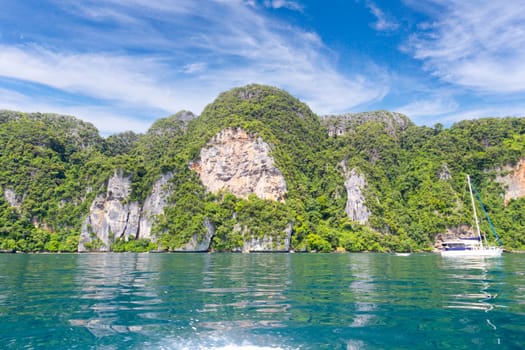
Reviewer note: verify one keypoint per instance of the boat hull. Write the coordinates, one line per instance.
(489, 252)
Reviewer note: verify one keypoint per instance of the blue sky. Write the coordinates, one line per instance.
(121, 64)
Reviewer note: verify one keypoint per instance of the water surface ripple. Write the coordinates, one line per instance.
(260, 301)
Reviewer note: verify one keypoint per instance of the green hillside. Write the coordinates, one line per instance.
(54, 166)
(299, 146)
(51, 164)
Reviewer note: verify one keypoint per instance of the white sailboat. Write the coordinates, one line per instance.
(467, 247)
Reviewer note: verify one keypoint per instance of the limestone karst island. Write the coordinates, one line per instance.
(256, 171)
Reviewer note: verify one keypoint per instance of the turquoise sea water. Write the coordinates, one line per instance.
(260, 301)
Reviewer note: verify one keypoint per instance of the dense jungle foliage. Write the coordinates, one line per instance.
(53, 166)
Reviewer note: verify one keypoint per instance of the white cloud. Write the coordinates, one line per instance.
(421, 109)
(384, 22)
(101, 13)
(446, 110)
(277, 4)
(478, 45)
(240, 46)
(166, 6)
(129, 79)
(325, 91)
(196, 67)
(514, 110)
(108, 120)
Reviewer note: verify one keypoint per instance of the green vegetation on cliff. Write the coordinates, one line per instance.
(416, 176)
(52, 168)
(299, 147)
(48, 164)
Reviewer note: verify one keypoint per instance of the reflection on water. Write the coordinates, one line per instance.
(112, 286)
(148, 294)
(473, 274)
(257, 301)
(362, 287)
(228, 290)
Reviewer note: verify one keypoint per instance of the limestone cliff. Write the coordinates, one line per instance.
(154, 205)
(355, 208)
(111, 216)
(240, 163)
(267, 243)
(199, 244)
(514, 182)
(338, 125)
(11, 198)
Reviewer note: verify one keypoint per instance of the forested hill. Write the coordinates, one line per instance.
(256, 171)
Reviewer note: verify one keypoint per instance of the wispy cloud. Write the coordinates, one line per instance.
(196, 67)
(515, 110)
(100, 75)
(277, 4)
(195, 56)
(420, 111)
(383, 22)
(478, 45)
(444, 106)
(107, 119)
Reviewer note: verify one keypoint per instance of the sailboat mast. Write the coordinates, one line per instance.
(474, 209)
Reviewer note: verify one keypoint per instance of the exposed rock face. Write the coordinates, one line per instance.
(111, 216)
(266, 243)
(11, 198)
(444, 172)
(341, 124)
(241, 164)
(185, 116)
(514, 182)
(154, 205)
(355, 204)
(455, 232)
(199, 245)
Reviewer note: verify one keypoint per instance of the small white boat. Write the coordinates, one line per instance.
(402, 254)
(470, 247)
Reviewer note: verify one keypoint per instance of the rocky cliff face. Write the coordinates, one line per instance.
(267, 243)
(202, 244)
(514, 182)
(342, 124)
(111, 216)
(154, 205)
(241, 164)
(233, 161)
(11, 198)
(355, 204)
